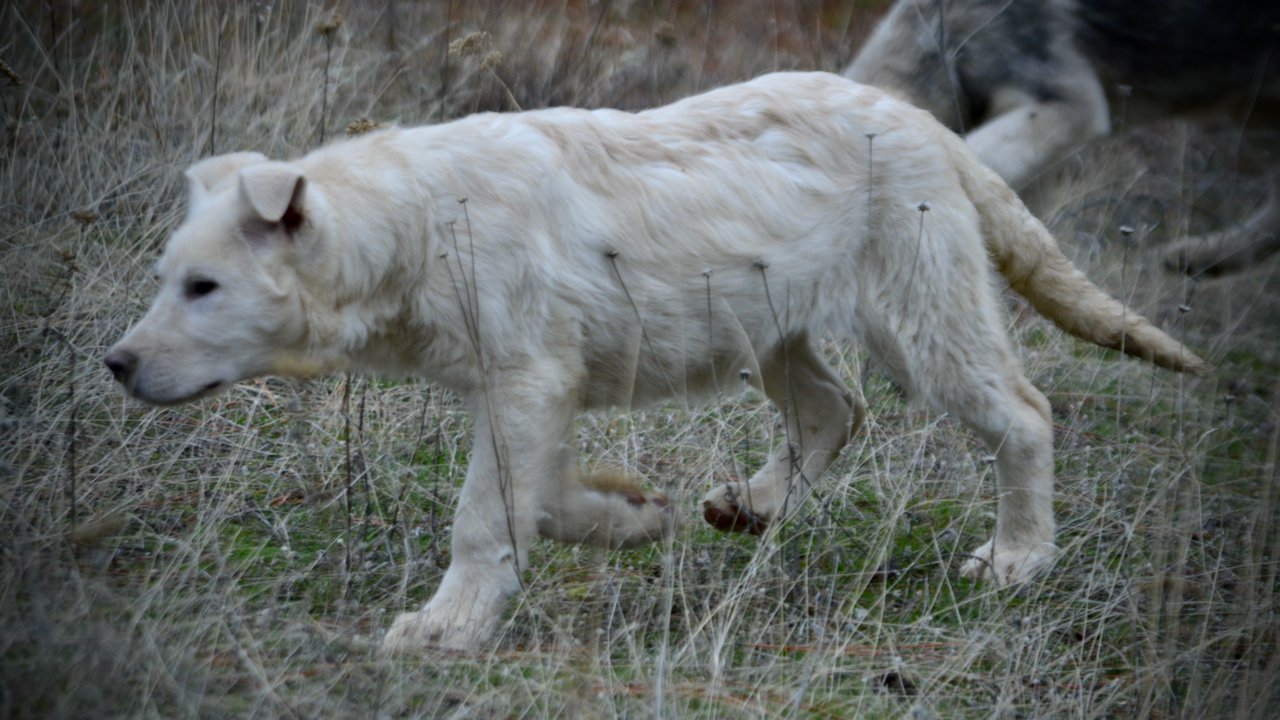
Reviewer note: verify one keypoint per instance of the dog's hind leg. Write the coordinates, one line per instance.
(1012, 417)
(960, 359)
(821, 414)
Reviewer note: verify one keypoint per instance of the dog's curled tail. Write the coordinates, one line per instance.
(1031, 261)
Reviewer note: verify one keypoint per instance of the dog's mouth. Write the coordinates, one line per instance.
(212, 388)
(208, 389)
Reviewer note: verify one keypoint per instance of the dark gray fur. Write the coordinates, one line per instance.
(1077, 68)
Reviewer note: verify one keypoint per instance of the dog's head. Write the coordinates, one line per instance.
(228, 307)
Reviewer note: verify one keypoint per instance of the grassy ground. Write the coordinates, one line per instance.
(242, 556)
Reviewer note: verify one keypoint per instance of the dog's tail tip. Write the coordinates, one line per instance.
(1196, 365)
(1138, 338)
(1185, 362)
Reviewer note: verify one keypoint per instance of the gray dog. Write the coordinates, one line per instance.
(1030, 81)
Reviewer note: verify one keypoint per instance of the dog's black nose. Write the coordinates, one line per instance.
(122, 364)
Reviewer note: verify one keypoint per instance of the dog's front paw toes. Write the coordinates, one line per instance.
(1009, 565)
(414, 633)
(407, 636)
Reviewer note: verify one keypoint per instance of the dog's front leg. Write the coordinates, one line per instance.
(519, 432)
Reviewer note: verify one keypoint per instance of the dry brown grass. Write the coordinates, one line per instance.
(239, 557)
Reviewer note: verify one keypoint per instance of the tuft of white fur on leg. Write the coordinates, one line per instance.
(1009, 565)
(608, 509)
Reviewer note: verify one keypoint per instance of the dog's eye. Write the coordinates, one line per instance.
(199, 287)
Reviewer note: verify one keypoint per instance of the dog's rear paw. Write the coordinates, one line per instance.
(650, 518)
(724, 514)
(1009, 565)
(615, 512)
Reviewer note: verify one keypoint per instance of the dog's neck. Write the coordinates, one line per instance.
(377, 270)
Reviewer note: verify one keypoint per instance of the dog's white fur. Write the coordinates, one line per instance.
(545, 262)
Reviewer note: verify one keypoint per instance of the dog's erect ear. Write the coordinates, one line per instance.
(204, 175)
(274, 191)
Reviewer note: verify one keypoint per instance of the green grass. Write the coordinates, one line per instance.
(226, 559)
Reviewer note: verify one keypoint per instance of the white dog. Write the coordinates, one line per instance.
(545, 262)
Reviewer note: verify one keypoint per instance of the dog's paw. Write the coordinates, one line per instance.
(612, 482)
(724, 511)
(615, 512)
(648, 517)
(406, 636)
(414, 633)
(1009, 565)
